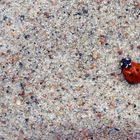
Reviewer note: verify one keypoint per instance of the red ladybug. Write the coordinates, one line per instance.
(130, 70)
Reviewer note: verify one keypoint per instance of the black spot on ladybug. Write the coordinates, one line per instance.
(131, 74)
(137, 69)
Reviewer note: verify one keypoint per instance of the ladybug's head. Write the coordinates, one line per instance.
(126, 63)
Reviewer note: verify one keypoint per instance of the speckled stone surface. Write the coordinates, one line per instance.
(59, 69)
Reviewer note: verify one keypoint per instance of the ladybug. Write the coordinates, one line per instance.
(130, 70)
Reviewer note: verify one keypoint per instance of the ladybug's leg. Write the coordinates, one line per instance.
(132, 82)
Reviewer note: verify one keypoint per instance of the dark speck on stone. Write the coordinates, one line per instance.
(134, 105)
(106, 44)
(20, 64)
(32, 97)
(22, 17)
(93, 78)
(27, 102)
(127, 9)
(22, 85)
(80, 55)
(26, 119)
(87, 75)
(7, 91)
(27, 36)
(78, 13)
(5, 18)
(84, 11)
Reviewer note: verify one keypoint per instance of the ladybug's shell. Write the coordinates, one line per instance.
(132, 74)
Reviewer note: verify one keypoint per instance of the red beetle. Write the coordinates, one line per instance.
(130, 70)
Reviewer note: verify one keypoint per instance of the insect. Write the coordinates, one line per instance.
(130, 70)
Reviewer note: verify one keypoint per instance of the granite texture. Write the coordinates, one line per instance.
(59, 69)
